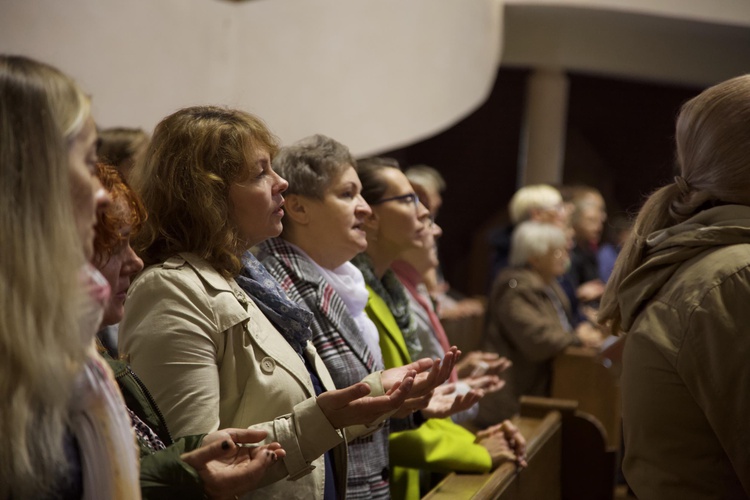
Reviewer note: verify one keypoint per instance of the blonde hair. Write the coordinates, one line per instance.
(528, 198)
(194, 157)
(41, 350)
(713, 154)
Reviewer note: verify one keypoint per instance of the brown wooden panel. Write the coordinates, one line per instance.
(586, 376)
(540, 480)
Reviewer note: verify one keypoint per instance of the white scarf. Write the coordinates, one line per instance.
(349, 284)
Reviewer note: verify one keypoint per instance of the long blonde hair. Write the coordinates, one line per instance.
(41, 350)
(713, 154)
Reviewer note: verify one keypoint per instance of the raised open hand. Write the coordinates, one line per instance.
(353, 406)
(426, 382)
(478, 363)
(228, 470)
(487, 383)
(447, 401)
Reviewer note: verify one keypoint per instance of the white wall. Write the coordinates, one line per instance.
(373, 74)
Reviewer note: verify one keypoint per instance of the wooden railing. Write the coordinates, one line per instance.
(567, 454)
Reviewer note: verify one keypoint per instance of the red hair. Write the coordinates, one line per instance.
(126, 209)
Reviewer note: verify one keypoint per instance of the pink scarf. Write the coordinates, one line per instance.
(411, 279)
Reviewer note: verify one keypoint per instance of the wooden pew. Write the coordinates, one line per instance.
(567, 455)
(592, 379)
(541, 480)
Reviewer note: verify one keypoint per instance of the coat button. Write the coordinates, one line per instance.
(267, 365)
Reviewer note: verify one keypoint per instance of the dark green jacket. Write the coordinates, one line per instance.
(163, 474)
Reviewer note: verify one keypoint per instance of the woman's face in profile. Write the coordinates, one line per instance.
(119, 268)
(552, 264)
(256, 201)
(87, 193)
(338, 219)
(400, 221)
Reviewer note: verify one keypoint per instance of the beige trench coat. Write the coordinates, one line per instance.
(212, 360)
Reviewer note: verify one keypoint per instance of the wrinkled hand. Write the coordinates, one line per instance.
(446, 401)
(590, 291)
(505, 443)
(478, 363)
(589, 335)
(353, 406)
(464, 308)
(227, 470)
(486, 383)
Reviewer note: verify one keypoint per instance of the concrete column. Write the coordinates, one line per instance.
(542, 147)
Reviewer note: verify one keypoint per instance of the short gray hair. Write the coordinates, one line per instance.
(533, 239)
(311, 164)
(528, 198)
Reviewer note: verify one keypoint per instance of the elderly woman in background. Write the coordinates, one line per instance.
(680, 289)
(65, 428)
(395, 225)
(188, 467)
(206, 327)
(530, 317)
(323, 230)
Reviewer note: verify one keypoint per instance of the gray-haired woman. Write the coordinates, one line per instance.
(323, 230)
(529, 318)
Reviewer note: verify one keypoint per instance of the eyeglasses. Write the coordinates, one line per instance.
(404, 198)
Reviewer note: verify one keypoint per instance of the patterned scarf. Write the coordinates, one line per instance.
(412, 280)
(291, 320)
(394, 295)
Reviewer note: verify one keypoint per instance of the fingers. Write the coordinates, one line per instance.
(267, 454)
(399, 395)
(420, 365)
(346, 407)
(515, 440)
(410, 375)
(339, 398)
(392, 375)
(449, 361)
(199, 457)
(466, 401)
(425, 381)
(247, 435)
(413, 404)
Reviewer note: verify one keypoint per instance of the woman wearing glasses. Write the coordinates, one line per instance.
(397, 223)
